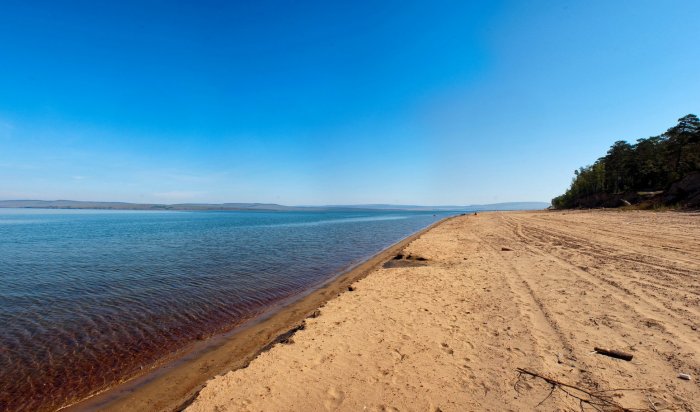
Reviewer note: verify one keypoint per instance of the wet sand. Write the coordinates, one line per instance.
(498, 291)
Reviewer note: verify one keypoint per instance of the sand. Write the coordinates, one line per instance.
(448, 333)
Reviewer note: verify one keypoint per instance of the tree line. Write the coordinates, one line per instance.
(649, 165)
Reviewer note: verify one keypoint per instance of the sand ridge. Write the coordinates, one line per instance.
(499, 291)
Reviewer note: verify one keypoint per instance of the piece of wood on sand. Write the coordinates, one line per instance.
(614, 353)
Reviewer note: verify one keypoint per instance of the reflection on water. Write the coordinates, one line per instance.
(88, 297)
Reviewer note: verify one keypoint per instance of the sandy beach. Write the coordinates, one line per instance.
(497, 292)
(224, 206)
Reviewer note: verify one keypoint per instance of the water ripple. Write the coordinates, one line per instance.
(89, 298)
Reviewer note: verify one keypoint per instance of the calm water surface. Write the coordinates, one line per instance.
(88, 297)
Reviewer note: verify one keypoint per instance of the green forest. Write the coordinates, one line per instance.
(658, 170)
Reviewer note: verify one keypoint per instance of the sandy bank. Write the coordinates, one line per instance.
(449, 335)
(174, 385)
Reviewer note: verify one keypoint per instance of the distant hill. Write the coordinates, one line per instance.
(473, 208)
(511, 206)
(75, 204)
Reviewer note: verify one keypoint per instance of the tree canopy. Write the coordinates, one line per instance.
(649, 165)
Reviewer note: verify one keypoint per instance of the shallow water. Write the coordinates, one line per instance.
(89, 297)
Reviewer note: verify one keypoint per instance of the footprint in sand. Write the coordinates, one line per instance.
(382, 408)
(334, 398)
(465, 364)
(320, 360)
(446, 348)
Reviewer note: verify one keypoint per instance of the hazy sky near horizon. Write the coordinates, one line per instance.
(293, 102)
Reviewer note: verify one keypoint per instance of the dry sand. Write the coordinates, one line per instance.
(449, 335)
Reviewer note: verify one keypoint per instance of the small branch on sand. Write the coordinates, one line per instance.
(602, 401)
(614, 353)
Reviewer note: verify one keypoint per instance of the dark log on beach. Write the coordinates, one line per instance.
(614, 354)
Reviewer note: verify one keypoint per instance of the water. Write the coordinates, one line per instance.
(89, 297)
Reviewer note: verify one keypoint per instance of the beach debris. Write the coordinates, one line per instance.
(284, 338)
(316, 313)
(614, 353)
(684, 376)
(351, 288)
(505, 249)
(401, 260)
(599, 400)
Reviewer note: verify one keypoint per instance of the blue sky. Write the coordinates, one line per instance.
(332, 102)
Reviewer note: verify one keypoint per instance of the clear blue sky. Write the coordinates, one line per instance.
(332, 102)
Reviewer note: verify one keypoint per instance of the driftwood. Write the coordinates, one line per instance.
(614, 353)
(601, 401)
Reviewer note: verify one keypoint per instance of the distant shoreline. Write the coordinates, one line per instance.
(269, 207)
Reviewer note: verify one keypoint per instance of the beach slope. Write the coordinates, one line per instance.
(497, 292)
